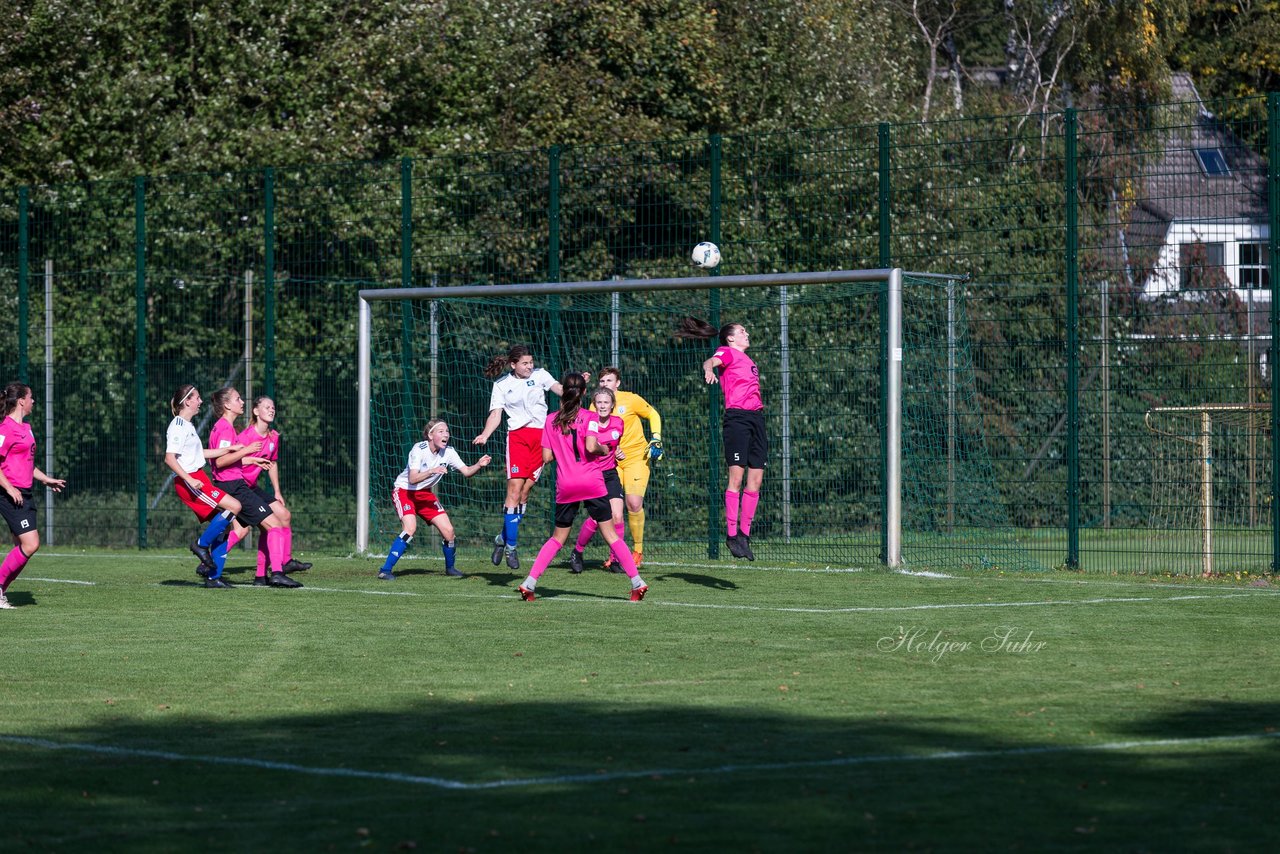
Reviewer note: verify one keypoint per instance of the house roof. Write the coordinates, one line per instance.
(1175, 186)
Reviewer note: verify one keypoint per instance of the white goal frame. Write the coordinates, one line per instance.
(893, 284)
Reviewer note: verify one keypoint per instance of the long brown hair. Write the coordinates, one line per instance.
(572, 386)
(220, 398)
(694, 327)
(498, 364)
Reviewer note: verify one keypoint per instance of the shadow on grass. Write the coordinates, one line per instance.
(574, 775)
(699, 579)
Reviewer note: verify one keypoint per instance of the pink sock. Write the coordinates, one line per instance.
(12, 565)
(623, 556)
(546, 554)
(232, 539)
(749, 502)
(275, 548)
(731, 513)
(586, 532)
(262, 557)
(621, 529)
(288, 544)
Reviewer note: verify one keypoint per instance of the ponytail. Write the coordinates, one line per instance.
(573, 385)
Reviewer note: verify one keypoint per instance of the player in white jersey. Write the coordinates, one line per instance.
(429, 460)
(521, 395)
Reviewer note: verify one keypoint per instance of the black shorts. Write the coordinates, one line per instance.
(22, 520)
(597, 508)
(253, 509)
(265, 492)
(613, 484)
(745, 442)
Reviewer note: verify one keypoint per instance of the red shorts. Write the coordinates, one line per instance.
(417, 502)
(524, 453)
(203, 503)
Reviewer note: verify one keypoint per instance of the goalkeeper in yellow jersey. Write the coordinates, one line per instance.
(636, 453)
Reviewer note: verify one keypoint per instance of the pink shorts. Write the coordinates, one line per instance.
(524, 453)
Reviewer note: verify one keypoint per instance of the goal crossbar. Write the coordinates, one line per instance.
(892, 546)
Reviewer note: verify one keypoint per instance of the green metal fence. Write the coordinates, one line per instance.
(1119, 261)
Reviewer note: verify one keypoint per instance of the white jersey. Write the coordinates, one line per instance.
(524, 401)
(183, 440)
(421, 458)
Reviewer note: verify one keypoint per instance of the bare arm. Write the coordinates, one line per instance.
(490, 424)
(171, 460)
(469, 471)
(709, 370)
(54, 483)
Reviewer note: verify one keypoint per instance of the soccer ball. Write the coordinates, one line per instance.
(706, 255)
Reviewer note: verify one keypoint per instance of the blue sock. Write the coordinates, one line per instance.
(219, 555)
(398, 545)
(511, 528)
(450, 552)
(216, 526)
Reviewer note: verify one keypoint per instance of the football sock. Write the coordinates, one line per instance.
(622, 531)
(275, 548)
(263, 558)
(511, 527)
(13, 563)
(450, 550)
(585, 533)
(398, 545)
(288, 544)
(530, 583)
(624, 559)
(232, 538)
(216, 526)
(636, 521)
(749, 502)
(546, 554)
(731, 513)
(219, 555)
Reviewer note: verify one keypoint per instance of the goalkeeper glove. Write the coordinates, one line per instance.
(655, 448)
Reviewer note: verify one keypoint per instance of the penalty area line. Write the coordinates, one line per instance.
(651, 773)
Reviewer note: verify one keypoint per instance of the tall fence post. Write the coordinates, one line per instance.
(553, 257)
(24, 306)
(1073, 350)
(884, 194)
(715, 495)
(406, 281)
(140, 349)
(1273, 267)
(269, 280)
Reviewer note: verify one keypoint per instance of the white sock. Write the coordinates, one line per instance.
(529, 583)
(637, 582)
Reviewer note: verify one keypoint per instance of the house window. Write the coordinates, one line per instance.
(1200, 266)
(1212, 162)
(1253, 267)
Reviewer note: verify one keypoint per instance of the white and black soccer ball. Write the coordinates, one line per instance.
(706, 255)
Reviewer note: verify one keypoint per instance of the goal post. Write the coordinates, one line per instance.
(832, 378)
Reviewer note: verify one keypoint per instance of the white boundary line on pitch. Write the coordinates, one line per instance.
(563, 779)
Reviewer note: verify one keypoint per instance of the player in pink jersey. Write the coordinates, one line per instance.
(519, 392)
(746, 445)
(184, 454)
(229, 475)
(569, 440)
(18, 471)
(263, 414)
(608, 429)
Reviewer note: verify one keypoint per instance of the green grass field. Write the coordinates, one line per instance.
(739, 707)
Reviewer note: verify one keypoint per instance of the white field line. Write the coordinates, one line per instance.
(651, 773)
(60, 581)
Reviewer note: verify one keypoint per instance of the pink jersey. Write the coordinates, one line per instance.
(739, 379)
(577, 477)
(223, 435)
(270, 450)
(608, 434)
(17, 452)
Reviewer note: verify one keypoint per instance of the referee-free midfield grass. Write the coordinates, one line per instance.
(739, 707)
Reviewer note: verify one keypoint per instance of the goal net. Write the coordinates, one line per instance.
(1210, 489)
(838, 488)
